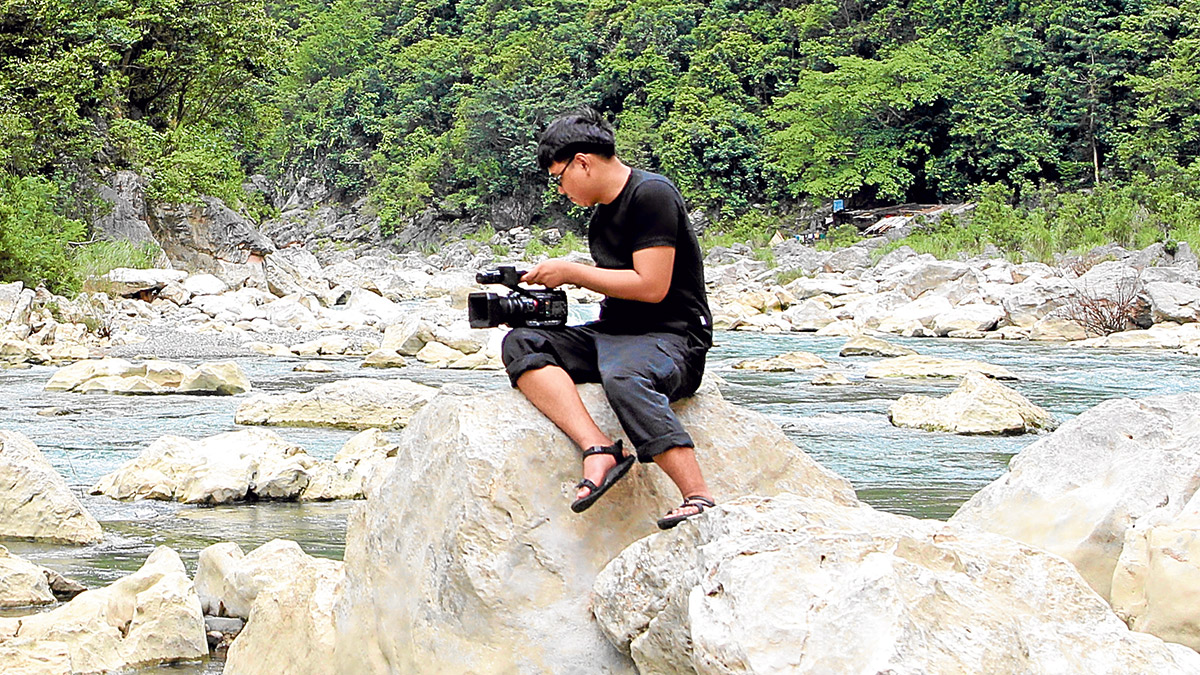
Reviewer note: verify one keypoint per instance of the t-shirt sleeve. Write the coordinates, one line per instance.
(658, 213)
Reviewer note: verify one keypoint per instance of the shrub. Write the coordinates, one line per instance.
(98, 259)
(34, 239)
(838, 237)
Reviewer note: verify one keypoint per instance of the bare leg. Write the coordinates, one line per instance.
(552, 391)
(681, 466)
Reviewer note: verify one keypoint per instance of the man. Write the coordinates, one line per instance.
(648, 347)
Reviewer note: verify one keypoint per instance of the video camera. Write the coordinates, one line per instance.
(528, 307)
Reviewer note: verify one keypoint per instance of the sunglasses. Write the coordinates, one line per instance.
(556, 178)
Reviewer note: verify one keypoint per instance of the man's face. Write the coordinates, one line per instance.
(570, 177)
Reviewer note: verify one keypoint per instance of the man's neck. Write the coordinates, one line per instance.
(613, 175)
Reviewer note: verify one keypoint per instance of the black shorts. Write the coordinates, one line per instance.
(641, 375)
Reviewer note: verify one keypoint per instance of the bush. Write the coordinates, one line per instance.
(838, 237)
(34, 239)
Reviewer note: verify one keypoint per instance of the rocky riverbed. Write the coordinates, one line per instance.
(408, 313)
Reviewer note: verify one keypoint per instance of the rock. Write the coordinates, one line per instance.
(126, 220)
(1174, 302)
(22, 583)
(222, 377)
(36, 502)
(1079, 491)
(921, 311)
(810, 315)
(803, 288)
(850, 258)
(978, 406)
(229, 581)
(229, 467)
(130, 385)
(829, 379)
(359, 403)
(313, 367)
(865, 345)
(291, 622)
(438, 355)
(473, 522)
(384, 358)
(69, 377)
(840, 329)
(351, 470)
(784, 363)
(127, 282)
(407, 338)
(207, 235)
(1056, 329)
(972, 317)
(1036, 297)
(932, 366)
(798, 585)
(929, 275)
(204, 284)
(268, 349)
(149, 617)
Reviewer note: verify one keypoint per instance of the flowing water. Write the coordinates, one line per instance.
(843, 427)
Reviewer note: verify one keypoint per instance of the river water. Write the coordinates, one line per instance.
(845, 428)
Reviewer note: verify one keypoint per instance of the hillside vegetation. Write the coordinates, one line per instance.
(1075, 122)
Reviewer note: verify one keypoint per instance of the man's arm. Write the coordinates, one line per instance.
(648, 281)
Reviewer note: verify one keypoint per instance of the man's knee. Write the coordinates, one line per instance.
(521, 342)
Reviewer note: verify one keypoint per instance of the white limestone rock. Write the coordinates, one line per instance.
(1078, 491)
(784, 363)
(359, 403)
(22, 583)
(224, 378)
(291, 621)
(466, 554)
(384, 358)
(229, 467)
(127, 281)
(146, 618)
(788, 584)
(931, 366)
(974, 317)
(1174, 302)
(1036, 297)
(865, 345)
(36, 502)
(979, 405)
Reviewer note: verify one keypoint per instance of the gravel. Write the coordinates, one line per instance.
(177, 345)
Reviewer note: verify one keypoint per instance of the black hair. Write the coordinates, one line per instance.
(583, 130)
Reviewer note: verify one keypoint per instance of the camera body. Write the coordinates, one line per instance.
(523, 307)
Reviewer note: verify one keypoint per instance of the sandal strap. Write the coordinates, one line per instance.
(614, 450)
(698, 502)
(585, 483)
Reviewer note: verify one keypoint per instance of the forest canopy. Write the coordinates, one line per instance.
(746, 104)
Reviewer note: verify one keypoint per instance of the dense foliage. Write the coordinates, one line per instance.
(1068, 116)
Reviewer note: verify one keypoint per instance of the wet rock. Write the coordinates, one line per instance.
(119, 376)
(784, 363)
(931, 366)
(359, 403)
(37, 504)
(829, 380)
(865, 345)
(384, 358)
(473, 521)
(22, 583)
(790, 584)
(229, 467)
(149, 617)
(978, 406)
(224, 378)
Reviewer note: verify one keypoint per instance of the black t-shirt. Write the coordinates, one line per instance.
(649, 212)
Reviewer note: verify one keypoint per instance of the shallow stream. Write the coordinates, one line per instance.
(844, 427)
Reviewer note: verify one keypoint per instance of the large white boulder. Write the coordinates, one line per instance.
(118, 376)
(1078, 491)
(973, 317)
(800, 585)
(784, 363)
(1171, 301)
(929, 275)
(466, 554)
(149, 617)
(229, 467)
(359, 403)
(36, 502)
(22, 583)
(1030, 300)
(291, 620)
(979, 405)
(917, 366)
